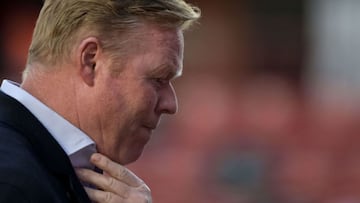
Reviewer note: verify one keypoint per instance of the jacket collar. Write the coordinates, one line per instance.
(18, 117)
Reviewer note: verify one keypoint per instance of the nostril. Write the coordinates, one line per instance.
(170, 109)
(167, 103)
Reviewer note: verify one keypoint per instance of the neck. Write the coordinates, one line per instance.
(54, 88)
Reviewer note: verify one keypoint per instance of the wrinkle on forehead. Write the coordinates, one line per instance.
(164, 45)
(169, 41)
(163, 37)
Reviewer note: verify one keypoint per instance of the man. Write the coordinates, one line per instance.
(97, 79)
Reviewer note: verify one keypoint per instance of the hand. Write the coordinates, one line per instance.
(117, 184)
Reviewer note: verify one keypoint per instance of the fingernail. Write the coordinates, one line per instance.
(96, 157)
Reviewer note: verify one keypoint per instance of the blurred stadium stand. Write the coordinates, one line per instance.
(251, 128)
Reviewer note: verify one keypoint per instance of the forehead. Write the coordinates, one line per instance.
(152, 39)
(170, 49)
(155, 49)
(155, 36)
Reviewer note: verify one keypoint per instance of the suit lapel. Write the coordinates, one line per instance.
(45, 146)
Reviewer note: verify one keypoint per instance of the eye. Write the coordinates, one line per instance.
(159, 82)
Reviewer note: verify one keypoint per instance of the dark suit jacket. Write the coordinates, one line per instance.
(33, 167)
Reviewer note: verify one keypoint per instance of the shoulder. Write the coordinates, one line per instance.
(21, 172)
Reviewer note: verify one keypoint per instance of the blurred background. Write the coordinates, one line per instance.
(268, 103)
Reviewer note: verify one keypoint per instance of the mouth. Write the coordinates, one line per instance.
(151, 127)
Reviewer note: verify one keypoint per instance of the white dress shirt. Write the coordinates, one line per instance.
(77, 145)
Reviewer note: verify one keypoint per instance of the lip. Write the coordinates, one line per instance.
(150, 127)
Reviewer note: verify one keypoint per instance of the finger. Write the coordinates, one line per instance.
(116, 170)
(99, 196)
(106, 183)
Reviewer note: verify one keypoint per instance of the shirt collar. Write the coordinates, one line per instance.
(77, 145)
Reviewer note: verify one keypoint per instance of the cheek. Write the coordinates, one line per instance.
(147, 100)
(112, 104)
(127, 106)
(151, 98)
(132, 103)
(145, 95)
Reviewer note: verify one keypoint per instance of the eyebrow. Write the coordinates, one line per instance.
(167, 71)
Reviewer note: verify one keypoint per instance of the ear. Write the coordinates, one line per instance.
(88, 56)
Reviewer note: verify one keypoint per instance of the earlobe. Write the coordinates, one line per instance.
(88, 59)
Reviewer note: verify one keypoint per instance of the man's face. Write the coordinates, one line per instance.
(131, 102)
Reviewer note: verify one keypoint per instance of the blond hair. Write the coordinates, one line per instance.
(60, 22)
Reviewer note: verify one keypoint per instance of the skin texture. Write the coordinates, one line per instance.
(117, 101)
(127, 106)
(116, 185)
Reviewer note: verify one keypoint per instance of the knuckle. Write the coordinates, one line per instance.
(124, 192)
(106, 163)
(138, 197)
(141, 196)
(108, 197)
(122, 173)
(127, 192)
(144, 189)
(110, 182)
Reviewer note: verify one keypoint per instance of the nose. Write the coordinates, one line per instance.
(167, 101)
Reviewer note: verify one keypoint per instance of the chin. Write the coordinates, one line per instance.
(131, 157)
(127, 153)
(125, 157)
(134, 152)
